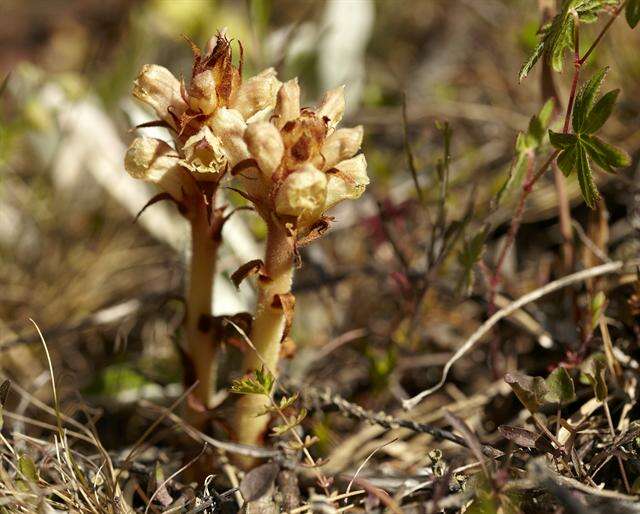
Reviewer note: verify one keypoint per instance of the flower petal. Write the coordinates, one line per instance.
(332, 106)
(202, 93)
(288, 103)
(204, 153)
(257, 94)
(157, 87)
(340, 145)
(349, 182)
(229, 126)
(302, 194)
(265, 145)
(155, 161)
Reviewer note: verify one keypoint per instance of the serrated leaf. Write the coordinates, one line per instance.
(560, 385)
(291, 423)
(557, 37)
(605, 155)
(585, 99)
(567, 160)
(600, 112)
(531, 62)
(632, 12)
(562, 43)
(561, 141)
(531, 391)
(585, 178)
(286, 402)
(261, 383)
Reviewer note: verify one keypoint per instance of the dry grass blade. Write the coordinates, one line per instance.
(580, 276)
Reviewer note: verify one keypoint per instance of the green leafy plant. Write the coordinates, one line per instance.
(262, 383)
(632, 12)
(557, 36)
(583, 146)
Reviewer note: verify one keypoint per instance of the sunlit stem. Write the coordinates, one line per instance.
(267, 331)
(199, 345)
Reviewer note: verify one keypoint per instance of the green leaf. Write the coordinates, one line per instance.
(291, 423)
(585, 99)
(560, 385)
(562, 42)
(632, 13)
(585, 178)
(531, 62)
(558, 36)
(597, 304)
(605, 155)
(531, 391)
(546, 112)
(261, 384)
(567, 160)
(595, 374)
(600, 112)
(561, 140)
(28, 468)
(537, 128)
(469, 255)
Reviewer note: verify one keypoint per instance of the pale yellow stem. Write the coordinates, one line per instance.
(199, 345)
(266, 332)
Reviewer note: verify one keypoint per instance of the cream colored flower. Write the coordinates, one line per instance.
(204, 153)
(349, 182)
(155, 161)
(159, 89)
(208, 117)
(302, 194)
(306, 165)
(215, 84)
(265, 146)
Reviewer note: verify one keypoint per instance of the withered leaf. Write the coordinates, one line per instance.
(316, 231)
(520, 436)
(259, 481)
(287, 303)
(248, 269)
(531, 391)
(4, 392)
(155, 199)
(243, 165)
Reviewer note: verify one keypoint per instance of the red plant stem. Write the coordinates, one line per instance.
(511, 236)
(604, 30)
(527, 187)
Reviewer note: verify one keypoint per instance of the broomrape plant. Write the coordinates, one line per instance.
(207, 120)
(292, 164)
(299, 166)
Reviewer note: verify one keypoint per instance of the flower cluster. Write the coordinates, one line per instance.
(207, 118)
(300, 165)
(293, 160)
